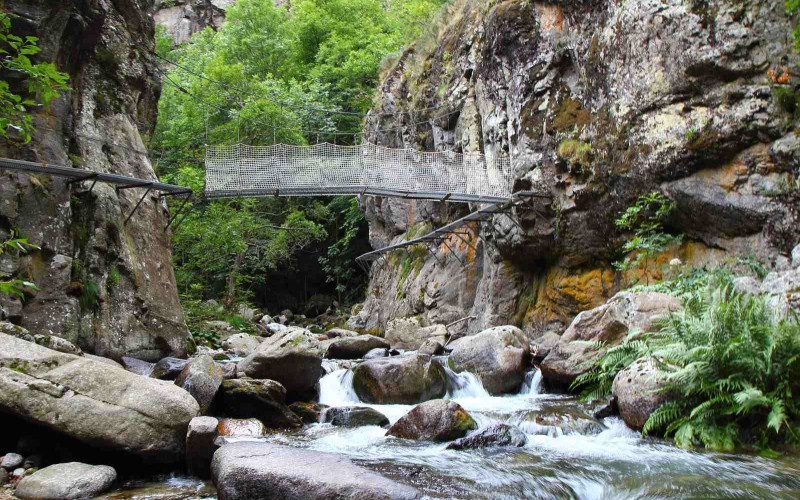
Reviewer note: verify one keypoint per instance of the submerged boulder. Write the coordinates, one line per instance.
(292, 357)
(608, 324)
(95, 403)
(354, 416)
(354, 347)
(249, 470)
(399, 380)
(638, 391)
(494, 435)
(557, 420)
(261, 399)
(498, 356)
(201, 377)
(436, 420)
(67, 481)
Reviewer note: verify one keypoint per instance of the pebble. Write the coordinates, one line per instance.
(12, 461)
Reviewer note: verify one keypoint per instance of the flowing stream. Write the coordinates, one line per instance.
(569, 454)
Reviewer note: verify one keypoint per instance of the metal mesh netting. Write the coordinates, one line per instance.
(328, 169)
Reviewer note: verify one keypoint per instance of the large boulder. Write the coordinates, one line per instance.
(354, 347)
(354, 416)
(292, 357)
(257, 398)
(93, 402)
(201, 377)
(409, 333)
(608, 325)
(437, 420)
(168, 368)
(67, 481)
(639, 391)
(499, 357)
(494, 435)
(249, 470)
(200, 446)
(399, 380)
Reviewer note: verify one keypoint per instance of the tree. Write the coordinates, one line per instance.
(38, 83)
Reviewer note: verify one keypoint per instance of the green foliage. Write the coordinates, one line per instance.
(730, 367)
(41, 82)
(576, 152)
(89, 299)
(645, 219)
(8, 285)
(264, 77)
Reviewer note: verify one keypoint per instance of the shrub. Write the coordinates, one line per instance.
(731, 363)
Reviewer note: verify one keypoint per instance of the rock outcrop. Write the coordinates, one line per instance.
(399, 380)
(499, 357)
(591, 331)
(183, 18)
(594, 107)
(243, 471)
(105, 285)
(97, 404)
(292, 357)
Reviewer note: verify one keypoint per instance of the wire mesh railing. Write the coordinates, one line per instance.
(329, 169)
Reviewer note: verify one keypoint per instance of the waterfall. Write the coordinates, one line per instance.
(464, 385)
(532, 384)
(336, 388)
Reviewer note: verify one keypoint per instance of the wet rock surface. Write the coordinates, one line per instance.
(354, 416)
(67, 481)
(309, 412)
(243, 471)
(349, 347)
(493, 435)
(399, 380)
(436, 420)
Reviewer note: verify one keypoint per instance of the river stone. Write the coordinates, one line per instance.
(335, 333)
(309, 412)
(259, 398)
(437, 420)
(201, 377)
(431, 347)
(241, 427)
(11, 461)
(354, 416)
(241, 344)
(399, 380)
(200, 445)
(608, 324)
(380, 352)
(137, 366)
(498, 356)
(354, 347)
(250, 470)
(57, 344)
(494, 435)
(292, 357)
(638, 392)
(409, 333)
(67, 481)
(168, 368)
(97, 404)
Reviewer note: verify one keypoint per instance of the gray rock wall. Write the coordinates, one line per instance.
(183, 18)
(104, 285)
(596, 103)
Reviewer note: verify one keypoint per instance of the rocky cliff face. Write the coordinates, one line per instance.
(183, 18)
(596, 103)
(105, 285)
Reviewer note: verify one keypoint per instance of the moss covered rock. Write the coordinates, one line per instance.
(436, 420)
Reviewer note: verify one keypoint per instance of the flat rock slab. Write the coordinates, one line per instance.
(251, 470)
(66, 481)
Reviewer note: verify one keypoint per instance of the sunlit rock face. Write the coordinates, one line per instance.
(105, 285)
(596, 103)
(183, 18)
